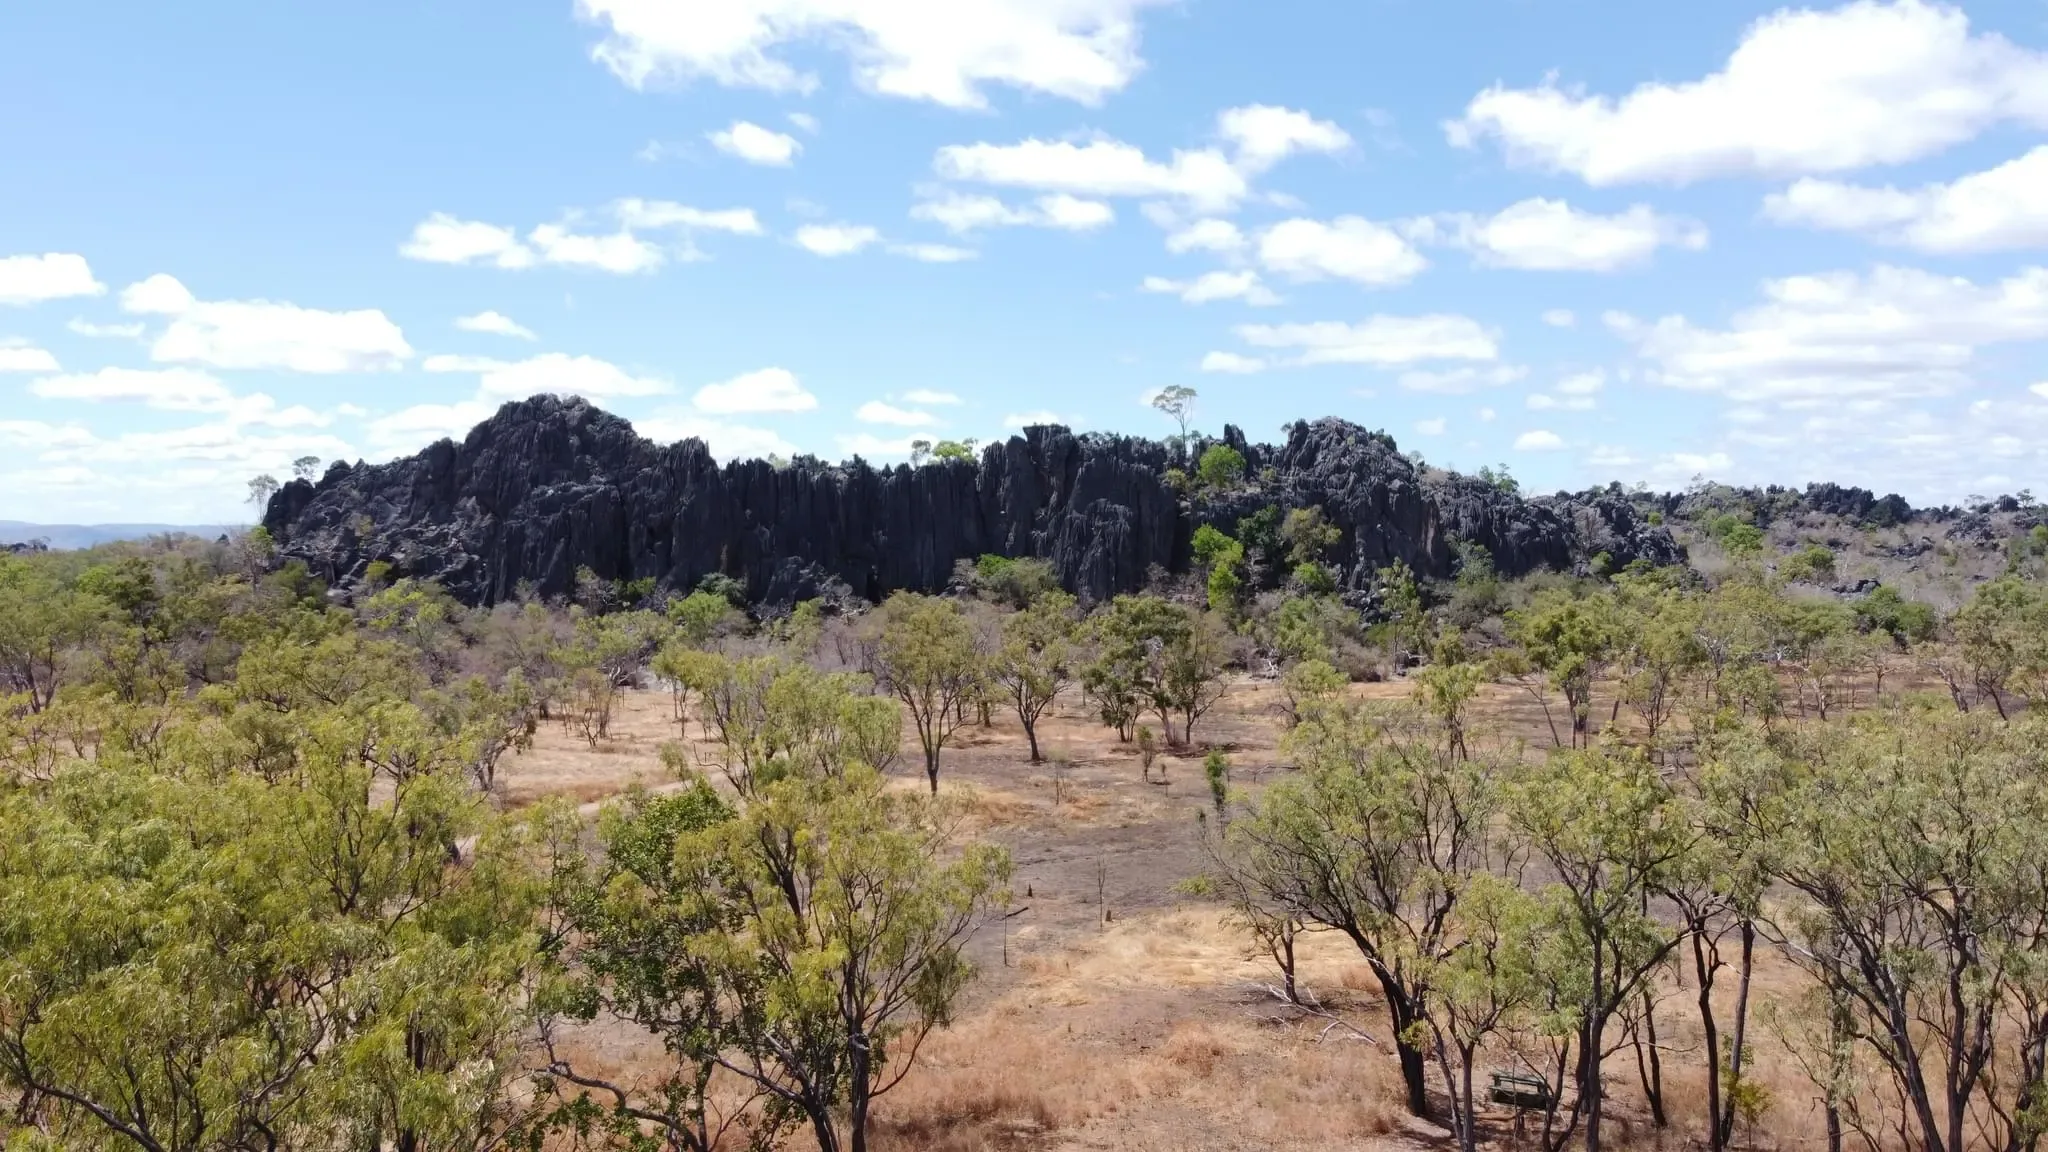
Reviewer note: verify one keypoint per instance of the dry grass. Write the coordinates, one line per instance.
(1117, 1015)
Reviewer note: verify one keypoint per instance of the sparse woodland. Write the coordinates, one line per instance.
(1764, 866)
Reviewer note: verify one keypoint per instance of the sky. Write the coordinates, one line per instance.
(1589, 240)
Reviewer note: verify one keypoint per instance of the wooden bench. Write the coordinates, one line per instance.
(1517, 1090)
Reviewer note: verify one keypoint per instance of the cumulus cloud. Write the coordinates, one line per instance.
(1538, 440)
(1209, 235)
(1827, 338)
(1210, 179)
(1385, 341)
(50, 276)
(1458, 381)
(934, 253)
(726, 440)
(2001, 208)
(562, 375)
(764, 390)
(261, 334)
(756, 145)
(1347, 248)
(835, 239)
(1805, 91)
(174, 390)
(20, 356)
(84, 327)
(495, 324)
(445, 239)
(1233, 363)
(959, 212)
(1211, 286)
(1552, 236)
(1560, 318)
(878, 412)
(948, 53)
(1262, 135)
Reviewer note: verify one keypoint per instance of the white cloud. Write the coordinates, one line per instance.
(1458, 381)
(1212, 286)
(495, 324)
(1560, 318)
(2040, 389)
(1538, 440)
(445, 362)
(1263, 135)
(1552, 236)
(50, 276)
(867, 444)
(755, 144)
(1389, 341)
(633, 212)
(934, 253)
(620, 252)
(173, 390)
(946, 52)
(877, 412)
(1231, 362)
(261, 334)
(1805, 92)
(1432, 427)
(1582, 384)
(835, 239)
(1099, 167)
(725, 441)
(1820, 339)
(1211, 235)
(1996, 209)
(765, 390)
(84, 327)
(21, 357)
(443, 239)
(1021, 420)
(805, 121)
(562, 375)
(410, 429)
(1486, 415)
(1544, 402)
(927, 396)
(959, 212)
(159, 295)
(1347, 248)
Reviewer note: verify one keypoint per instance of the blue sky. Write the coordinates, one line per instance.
(1593, 240)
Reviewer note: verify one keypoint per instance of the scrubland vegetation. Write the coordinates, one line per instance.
(1733, 863)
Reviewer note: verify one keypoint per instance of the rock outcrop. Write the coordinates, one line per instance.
(547, 486)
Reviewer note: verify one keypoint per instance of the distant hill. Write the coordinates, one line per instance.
(65, 536)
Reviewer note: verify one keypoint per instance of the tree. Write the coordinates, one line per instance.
(306, 468)
(43, 625)
(208, 952)
(1912, 843)
(1308, 535)
(854, 906)
(1570, 640)
(1036, 660)
(1224, 558)
(927, 657)
(701, 616)
(1374, 840)
(954, 449)
(1483, 983)
(920, 451)
(1608, 827)
(1177, 401)
(1221, 466)
(261, 489)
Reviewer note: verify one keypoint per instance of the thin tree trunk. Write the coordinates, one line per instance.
(1736, 1041)
(1652, 1073)
(1710, 1030)
(1031, 734)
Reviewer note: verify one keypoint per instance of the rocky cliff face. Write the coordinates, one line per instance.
(548, 485)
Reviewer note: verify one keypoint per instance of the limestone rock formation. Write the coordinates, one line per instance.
(547, 486)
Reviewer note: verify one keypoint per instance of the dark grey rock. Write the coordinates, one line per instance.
(547, 486)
